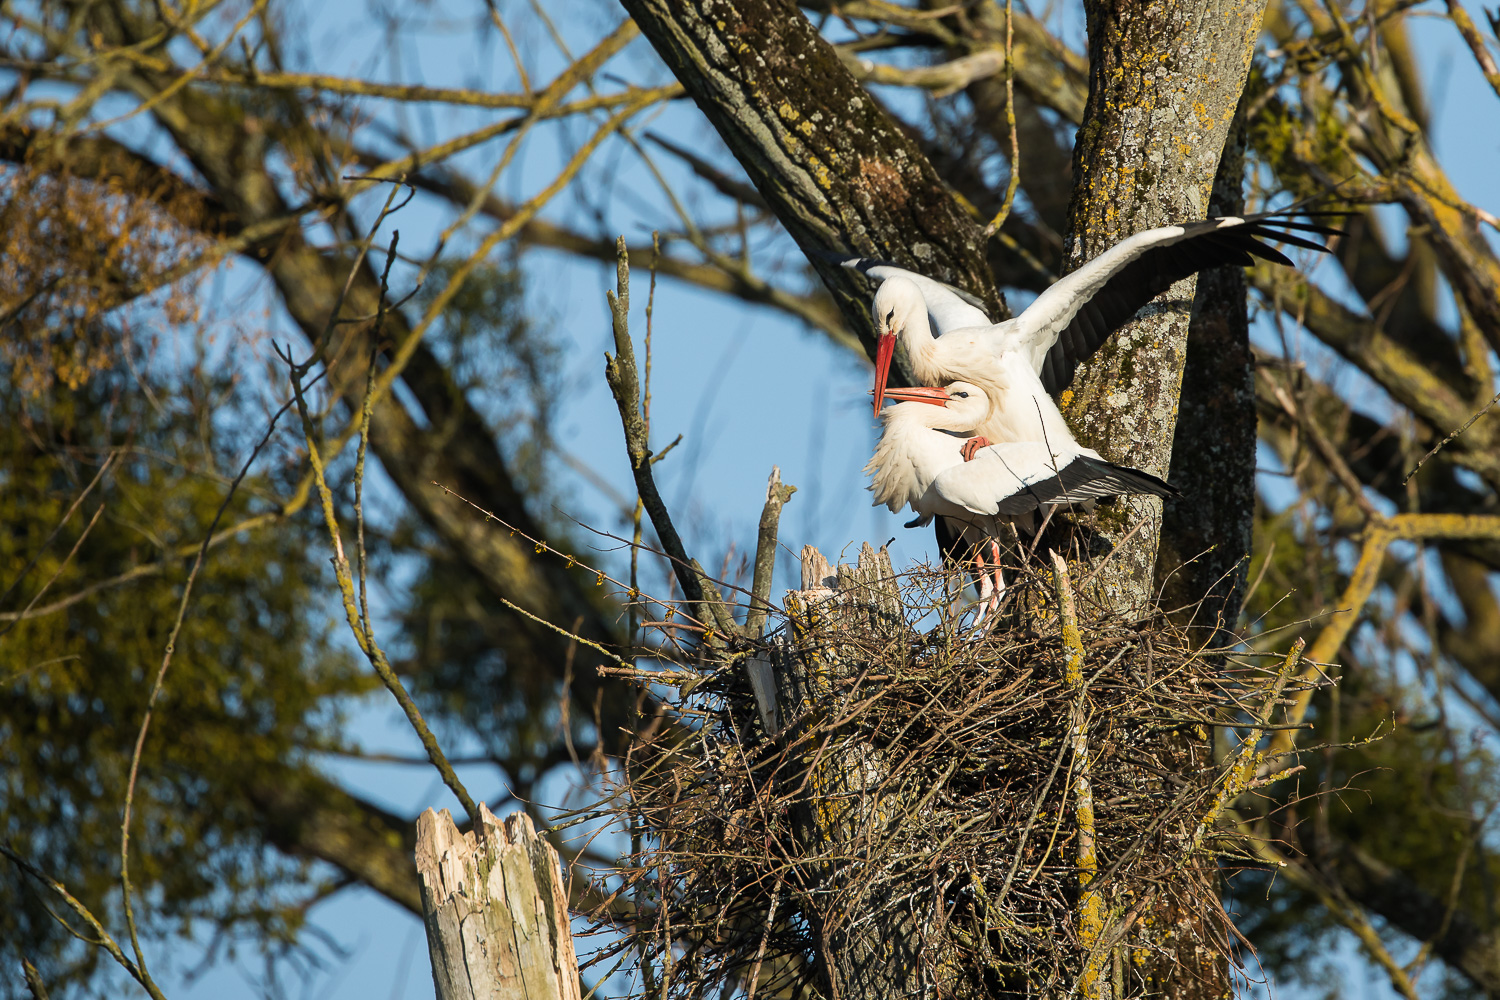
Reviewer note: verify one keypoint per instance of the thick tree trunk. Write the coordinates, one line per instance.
(1165, 77)
(835, 169)
(1205, 537)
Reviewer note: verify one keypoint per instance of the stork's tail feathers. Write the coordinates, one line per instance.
(1123, 479)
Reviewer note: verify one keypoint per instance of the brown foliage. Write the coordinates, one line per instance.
(71, 251)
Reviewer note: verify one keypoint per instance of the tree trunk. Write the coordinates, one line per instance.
(495, 910)
(1206, 532)
(1165, 77)
(831, 164)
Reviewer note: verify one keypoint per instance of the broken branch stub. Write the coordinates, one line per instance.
(495, 910)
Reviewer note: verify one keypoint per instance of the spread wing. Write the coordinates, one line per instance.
(948, 308)
(1070, 320)
(1014, 478)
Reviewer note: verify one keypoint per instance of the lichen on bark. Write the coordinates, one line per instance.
(1165, 77)
(1206, 532)
(832, 165)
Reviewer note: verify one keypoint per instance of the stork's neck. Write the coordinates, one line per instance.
(910, 418)
(916, 340)
(911, 453)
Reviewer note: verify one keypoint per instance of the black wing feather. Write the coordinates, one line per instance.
(1084, 479)
(1158, 269)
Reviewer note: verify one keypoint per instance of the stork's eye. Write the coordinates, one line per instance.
(961, 395)
(890, 315)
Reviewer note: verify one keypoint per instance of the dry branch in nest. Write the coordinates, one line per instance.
(875, 802)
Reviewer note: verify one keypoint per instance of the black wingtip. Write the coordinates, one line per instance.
(864, 264)
(830, 256)
(1139, 481)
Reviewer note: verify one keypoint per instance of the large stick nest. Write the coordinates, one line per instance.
(921, 798)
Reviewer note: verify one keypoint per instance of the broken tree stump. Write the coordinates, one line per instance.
(495, 910)
(871, 938)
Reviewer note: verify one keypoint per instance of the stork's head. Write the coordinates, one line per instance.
(964, 405)
(896, 302)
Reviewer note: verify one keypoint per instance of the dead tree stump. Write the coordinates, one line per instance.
(870, 939)
(495, 909)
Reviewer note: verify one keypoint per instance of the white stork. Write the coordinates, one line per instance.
(947, 336)
(922, 462)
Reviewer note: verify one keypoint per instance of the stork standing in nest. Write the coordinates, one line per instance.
(926, 460)
(1017, 364)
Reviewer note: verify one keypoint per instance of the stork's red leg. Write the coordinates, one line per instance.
(998, 573)
(982, 579)
(972, 446)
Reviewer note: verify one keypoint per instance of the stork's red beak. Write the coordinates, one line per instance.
(883, 352)
(920, 394)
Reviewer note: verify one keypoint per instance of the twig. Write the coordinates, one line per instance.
(161, 675)
(364, 636)
(21, 616)
(1444, 442)
(1090, 902)
(760, 952)
(1241, 772)
(624, 383)
(1036, 807)
(1326, 451)
(67, 516)
(34, 984)
(635, 517)
(366, 408)
(777, 495)
(1482, 55)
(104, 940)
(1378, 537)
(1010, 120)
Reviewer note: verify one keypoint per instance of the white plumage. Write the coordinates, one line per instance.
(919, 463)
(947, 336)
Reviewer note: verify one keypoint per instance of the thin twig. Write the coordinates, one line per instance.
(21, 616)
(1010, 120)
(156, 687)
(103, 940)
(624, 383)
(1443, 443)
(67, 516)
(357, 617)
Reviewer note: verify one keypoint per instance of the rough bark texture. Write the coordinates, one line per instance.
(1164, 79)
(838, 173)
(495, 910)
(1205, 536)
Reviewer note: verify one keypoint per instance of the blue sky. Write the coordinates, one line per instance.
(745, 386)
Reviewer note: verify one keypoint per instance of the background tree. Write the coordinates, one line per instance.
(149, 147)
